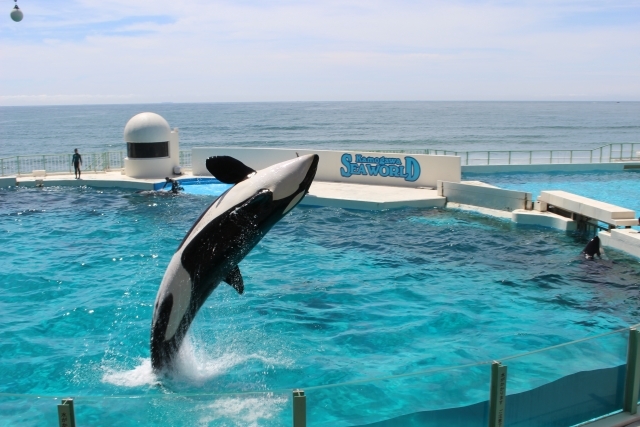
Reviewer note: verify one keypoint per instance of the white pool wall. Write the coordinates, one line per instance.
(432, 168)
(9, 181)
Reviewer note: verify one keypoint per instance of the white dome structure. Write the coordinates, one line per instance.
(153, 149)
(147, 127)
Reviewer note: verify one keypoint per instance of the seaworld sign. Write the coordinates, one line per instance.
(350, 167)
(380, 166)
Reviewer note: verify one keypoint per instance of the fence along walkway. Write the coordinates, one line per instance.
(618, 152)
(61, 163)
(114, 160)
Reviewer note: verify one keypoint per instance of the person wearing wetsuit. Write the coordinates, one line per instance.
(175, 185)
(76, 160)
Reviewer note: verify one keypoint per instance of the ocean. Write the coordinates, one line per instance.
(458, 126)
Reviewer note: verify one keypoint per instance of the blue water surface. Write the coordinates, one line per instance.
(620, 188)
(332, 296)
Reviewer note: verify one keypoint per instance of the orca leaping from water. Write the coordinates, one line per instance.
(223, 235)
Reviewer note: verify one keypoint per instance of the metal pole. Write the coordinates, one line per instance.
(509, 157)
(299, 408)
(600, 154)
(66, 415)
(497, 394)
(591, 156)
(18, 164)
(467, 158)
(530, 157)
(571, 156)
(632, 382)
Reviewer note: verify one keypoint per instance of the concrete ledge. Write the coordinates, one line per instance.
(554, 167)
(9, 181)
(100, 180)
(543, 219)
(622, 239)
(591, 208)
(370, 197)
(478, 209)
(484, 196)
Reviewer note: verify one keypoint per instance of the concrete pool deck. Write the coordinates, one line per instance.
(323, 194)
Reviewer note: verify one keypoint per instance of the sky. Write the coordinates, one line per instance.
(147, 51)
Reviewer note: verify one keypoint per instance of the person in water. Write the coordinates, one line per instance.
(175, 185)
(76, 160)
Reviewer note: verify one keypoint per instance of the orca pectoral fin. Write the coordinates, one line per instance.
(235, 280)
(228, 170)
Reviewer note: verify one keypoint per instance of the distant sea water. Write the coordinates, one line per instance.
(459, 126)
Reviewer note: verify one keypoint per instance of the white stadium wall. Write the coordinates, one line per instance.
(355, 167)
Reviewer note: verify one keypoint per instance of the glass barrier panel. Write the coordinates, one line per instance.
(455, 397)
(567, 384)
(20, 410)
(264, 409)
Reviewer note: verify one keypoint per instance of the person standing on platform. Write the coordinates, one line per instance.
(77, 161)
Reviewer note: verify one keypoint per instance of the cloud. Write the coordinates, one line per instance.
(321, 50)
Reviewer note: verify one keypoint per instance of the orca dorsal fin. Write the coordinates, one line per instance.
(228, 170)
(235, 280)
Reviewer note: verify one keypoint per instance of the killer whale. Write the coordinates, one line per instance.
(219, 239)
(592, 248)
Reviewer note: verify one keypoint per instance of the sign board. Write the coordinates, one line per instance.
(354, 167)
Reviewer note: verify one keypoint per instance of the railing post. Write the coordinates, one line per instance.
(571, 156)
(591, 156)
(66, 415)
(610, 152)
(509, 157)
(467, 158)
(44, 162)
(18, 164)
(497, 395)
(600, 154)
(299, 408)
(632, 381)
(530, 153)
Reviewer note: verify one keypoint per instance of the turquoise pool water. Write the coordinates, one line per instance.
(618, 188)
(331, 296)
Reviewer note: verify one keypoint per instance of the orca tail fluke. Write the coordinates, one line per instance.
(228, 170)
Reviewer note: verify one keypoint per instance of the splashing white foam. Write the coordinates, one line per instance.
(194, 365)
(243, 411)
(139, 376)
(197, 365)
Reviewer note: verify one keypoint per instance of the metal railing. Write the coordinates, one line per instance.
(618, 152)
(61, 163)
(114, 160)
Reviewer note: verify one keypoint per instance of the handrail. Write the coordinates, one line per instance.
(61, 163)
(624, 151)
(114, 160)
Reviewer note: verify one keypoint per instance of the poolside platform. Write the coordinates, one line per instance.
(623, 239)
(370, 197)
(113, 179)
(329, 194)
